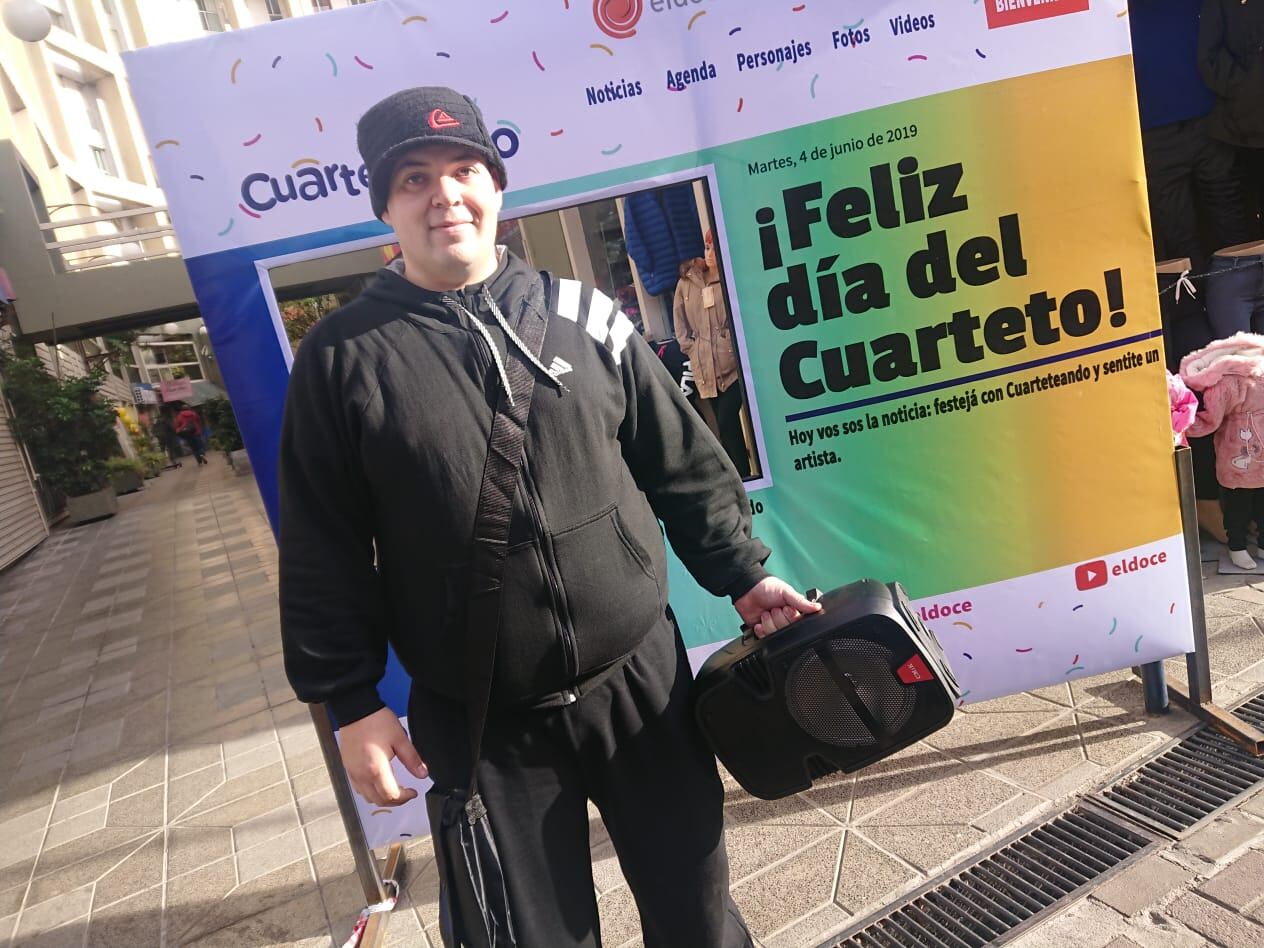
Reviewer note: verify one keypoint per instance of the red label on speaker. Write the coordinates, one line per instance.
(914, 670)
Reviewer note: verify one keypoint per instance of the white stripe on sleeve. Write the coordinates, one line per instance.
(599, 315)
(568, 299)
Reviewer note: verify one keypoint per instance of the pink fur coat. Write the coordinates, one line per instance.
(1230, 375)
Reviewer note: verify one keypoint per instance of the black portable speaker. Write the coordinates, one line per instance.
(837, 690)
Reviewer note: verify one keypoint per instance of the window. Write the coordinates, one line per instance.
(208, 10)
(274, 10)
(82, 102)
(58, 10)
(321, 6)
(356, 3)
(115, 21)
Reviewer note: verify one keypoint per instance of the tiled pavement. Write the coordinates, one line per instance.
(159, 784)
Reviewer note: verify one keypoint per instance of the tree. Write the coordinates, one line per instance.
(67, 428)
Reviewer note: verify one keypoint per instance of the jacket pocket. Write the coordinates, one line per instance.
(529, 659)
(611, 588)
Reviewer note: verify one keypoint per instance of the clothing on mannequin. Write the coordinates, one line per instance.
(703, 328)
(1229, 375)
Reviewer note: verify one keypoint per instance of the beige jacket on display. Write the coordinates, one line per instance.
(704, 331)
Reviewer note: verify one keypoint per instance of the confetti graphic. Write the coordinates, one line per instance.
(1022, 651)
(982, 55)
(740, 102)
(536, 58)
(968, 655)
(965, 625)
(320, 126)
(305, 161)
(362, 62)
(196, 177)
(1114, 624)
(166, 141)
(557, 132)
(1075, 668)
(694, 19)
(333, 62)
(249, 211)
(917, 57)
(1077, 608)
(855, 26)
(225, 231)
(232, 73)
(612, 151)
(253, 141)
(1136, 646)
(736, 29)
(812, 86)
(443, 54)
(497, 19)
(412, 19)
(275, 61)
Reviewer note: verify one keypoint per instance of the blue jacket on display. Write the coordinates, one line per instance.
(661, 229)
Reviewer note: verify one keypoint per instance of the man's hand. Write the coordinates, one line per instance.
(772, 604)
(368, 746)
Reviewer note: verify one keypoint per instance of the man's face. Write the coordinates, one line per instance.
(443, 204)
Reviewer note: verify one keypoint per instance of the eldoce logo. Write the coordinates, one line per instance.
(1094, 574)
(618, 18)
(1090, 575)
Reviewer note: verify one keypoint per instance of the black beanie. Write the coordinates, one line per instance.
(426, 115)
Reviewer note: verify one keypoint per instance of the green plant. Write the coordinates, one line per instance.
(67, 428)
(225, 435)
(121, 465)
(154, 462)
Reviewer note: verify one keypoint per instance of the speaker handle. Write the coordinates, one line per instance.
(812, 595)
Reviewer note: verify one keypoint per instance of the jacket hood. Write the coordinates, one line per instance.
(389, 286)
(1240, 354)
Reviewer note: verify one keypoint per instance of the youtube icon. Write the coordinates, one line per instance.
(1090, 575)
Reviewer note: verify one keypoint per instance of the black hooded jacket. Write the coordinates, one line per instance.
(1231, 57)
(385, 435)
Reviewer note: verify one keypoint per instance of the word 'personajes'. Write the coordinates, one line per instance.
(614, 91)
(790, 53)
(682, 78)
(904, 25)
(850, 37)
(262, 192)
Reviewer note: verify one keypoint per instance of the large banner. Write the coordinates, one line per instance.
(931, 224)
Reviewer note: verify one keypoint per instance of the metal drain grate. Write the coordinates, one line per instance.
(1191, 781)
(999, 896)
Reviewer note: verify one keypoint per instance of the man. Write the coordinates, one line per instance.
(189, 428)
(386, 430)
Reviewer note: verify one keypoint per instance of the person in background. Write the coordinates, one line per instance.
(1196, 202)
(166, 437)
(1231, 58)
(189, 428)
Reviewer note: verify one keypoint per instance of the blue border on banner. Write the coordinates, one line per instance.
(255, 370)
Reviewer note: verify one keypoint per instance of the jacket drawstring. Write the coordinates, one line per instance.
(511, 336)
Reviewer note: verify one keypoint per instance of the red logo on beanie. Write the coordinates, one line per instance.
(438, 119)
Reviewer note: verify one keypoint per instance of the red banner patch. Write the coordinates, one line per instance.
(1009, 12)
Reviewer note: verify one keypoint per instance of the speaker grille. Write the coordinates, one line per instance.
(821, 707)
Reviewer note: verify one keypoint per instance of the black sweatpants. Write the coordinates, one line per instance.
(728, 416)
(1241, 506)
(631, 746)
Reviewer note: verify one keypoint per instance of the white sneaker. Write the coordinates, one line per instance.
(1241, 559)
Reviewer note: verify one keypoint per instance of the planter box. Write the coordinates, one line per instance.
(127, 482)
(88, 507)
(240, 461)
